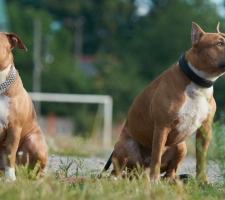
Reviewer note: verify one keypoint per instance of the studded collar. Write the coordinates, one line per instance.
(9, 81)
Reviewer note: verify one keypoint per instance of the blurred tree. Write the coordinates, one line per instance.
(145, 46)
(130, 50)
(23, 26)
(60, 71)
(167, 33)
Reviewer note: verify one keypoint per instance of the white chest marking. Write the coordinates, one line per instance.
(195, 109)
(4, 110)
(3, 74)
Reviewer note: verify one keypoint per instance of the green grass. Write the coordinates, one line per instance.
(28, 186)
(77, 146)
(107, 189)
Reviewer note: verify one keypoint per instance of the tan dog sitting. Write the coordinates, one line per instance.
(19, 130)
(176, 105)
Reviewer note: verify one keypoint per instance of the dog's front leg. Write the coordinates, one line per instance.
(12, 142)
(158, 144)
(203, 137)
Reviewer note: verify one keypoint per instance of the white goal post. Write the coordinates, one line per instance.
(106, 100)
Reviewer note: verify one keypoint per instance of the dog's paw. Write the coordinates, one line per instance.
(204, 183)
(113, 178)
(155, 181)
(171, 181)
(203, 180)
(10, 174)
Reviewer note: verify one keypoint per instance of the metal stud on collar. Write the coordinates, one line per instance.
(9, 81)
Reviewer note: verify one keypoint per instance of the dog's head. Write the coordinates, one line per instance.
(7, 42)
(208, 51)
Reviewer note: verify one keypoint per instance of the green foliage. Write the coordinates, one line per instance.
(129, 50)
(217, 147)
(119, 79)
(23, 26)
(167, 34)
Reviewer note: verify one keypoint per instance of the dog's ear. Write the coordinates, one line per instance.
(196, 33)
(217, 28)
(15, 41)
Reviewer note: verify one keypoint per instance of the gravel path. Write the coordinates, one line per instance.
(95, 165)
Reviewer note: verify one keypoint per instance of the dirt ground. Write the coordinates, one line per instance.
(95, 165)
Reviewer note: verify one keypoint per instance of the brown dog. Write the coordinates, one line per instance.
(176, 105)
(19, 130)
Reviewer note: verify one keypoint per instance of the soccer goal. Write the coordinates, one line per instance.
(106, 100)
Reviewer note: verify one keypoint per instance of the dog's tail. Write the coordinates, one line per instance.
(73, 180)
(107, 165)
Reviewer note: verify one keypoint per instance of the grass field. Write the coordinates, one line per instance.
(107, 189)
(50, 187)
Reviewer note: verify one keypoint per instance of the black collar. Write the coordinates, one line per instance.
(192, 76)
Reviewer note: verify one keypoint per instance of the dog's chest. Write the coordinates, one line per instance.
(194, 110)
(4, 110)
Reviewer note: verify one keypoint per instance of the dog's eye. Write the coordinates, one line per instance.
(220, 43)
